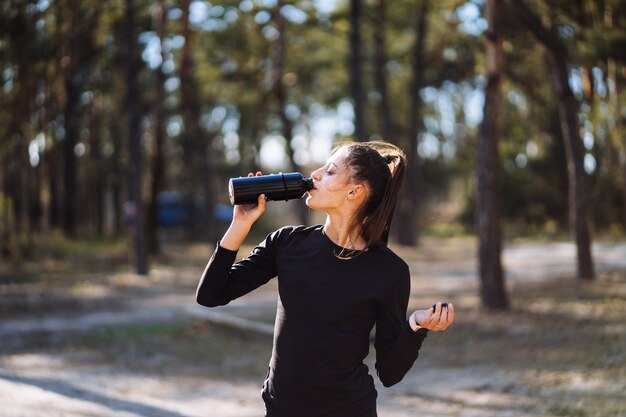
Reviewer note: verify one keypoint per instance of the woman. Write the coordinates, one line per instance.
(336, 281)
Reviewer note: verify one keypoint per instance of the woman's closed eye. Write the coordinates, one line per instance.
(330, 168)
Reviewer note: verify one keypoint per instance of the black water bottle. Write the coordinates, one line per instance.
(246, 190)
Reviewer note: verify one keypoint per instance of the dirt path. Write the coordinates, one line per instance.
(48, 382)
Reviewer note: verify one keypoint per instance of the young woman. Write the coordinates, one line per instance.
(336, 282)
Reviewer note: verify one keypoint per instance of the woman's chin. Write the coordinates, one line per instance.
(310, 202)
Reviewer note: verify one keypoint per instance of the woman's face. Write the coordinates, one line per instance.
(332, 184)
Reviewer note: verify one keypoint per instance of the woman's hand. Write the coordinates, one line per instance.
(437, 318)
(244, 216)
(249, 213)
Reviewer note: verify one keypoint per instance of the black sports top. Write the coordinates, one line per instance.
(326, 310)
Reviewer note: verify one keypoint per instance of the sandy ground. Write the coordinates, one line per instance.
(48, 382)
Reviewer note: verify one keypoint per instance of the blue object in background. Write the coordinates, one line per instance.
(171, 211)
(174, 210)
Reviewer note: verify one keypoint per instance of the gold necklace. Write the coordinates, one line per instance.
(346, 254)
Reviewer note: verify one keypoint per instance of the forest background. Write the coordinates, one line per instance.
(125, 118)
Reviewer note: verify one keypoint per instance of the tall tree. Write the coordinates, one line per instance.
(200, 171)
(95, 190)
(615, 74)
(409, 205)
(71, 62)
(579, 194)
(492, 290)
(20, 185)
(281, 93)
(357, 90)
(380, 71)
(158, 157)
(134, 139)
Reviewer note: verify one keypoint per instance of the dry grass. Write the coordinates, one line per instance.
(563, 342)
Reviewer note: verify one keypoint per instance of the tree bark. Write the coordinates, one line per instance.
(619, 122)
(6, 243)
(116, 176)
(380, 53)
(202, 170)
(158, 160)
(409, 204)
(356, 70)
(51, 158)
(23, 106)
(134, 139)
(492, 291)
(96, 172)
(568, 107)
(280, 91)
(10, 187)
(70, 118)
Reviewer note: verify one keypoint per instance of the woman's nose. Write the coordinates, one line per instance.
(316, 175)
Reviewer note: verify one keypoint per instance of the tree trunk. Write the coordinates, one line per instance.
(6, 237)
(380, 51)
(492, 291)
(356, 71)
(187, 93)
(409, 204)
(134, 138)
(623, 166)
(23, 109)
(614, 102)
(568, 108)
(70, 118)
(201, 163)
(280, 91)
(24, 191)
(116, 177)
(36, 205)
(54, 210)
(158, 160)
(53, 154)
(96, 171)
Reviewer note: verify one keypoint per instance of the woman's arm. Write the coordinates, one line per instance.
(222, 281)
(397, 345)
(398, 340)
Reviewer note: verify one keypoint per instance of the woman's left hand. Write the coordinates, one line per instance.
(437, 318)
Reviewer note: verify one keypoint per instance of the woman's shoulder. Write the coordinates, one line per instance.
(287, 232)
(391, 259)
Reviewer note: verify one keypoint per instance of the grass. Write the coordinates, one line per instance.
(185, 348)
(563, 341)
(61, 261)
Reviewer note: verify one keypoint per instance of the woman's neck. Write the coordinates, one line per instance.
(337, 230)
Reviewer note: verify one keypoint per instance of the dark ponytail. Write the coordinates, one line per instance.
(382, 167)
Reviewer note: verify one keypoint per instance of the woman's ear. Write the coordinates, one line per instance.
(357, 191)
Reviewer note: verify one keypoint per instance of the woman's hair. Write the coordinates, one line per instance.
(381, 166)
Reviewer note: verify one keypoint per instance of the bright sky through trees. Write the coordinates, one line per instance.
(328, 123)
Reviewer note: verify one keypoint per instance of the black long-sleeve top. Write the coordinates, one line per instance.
(326, 310)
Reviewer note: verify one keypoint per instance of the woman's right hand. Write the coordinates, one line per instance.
(247, 214)
(244, 216)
